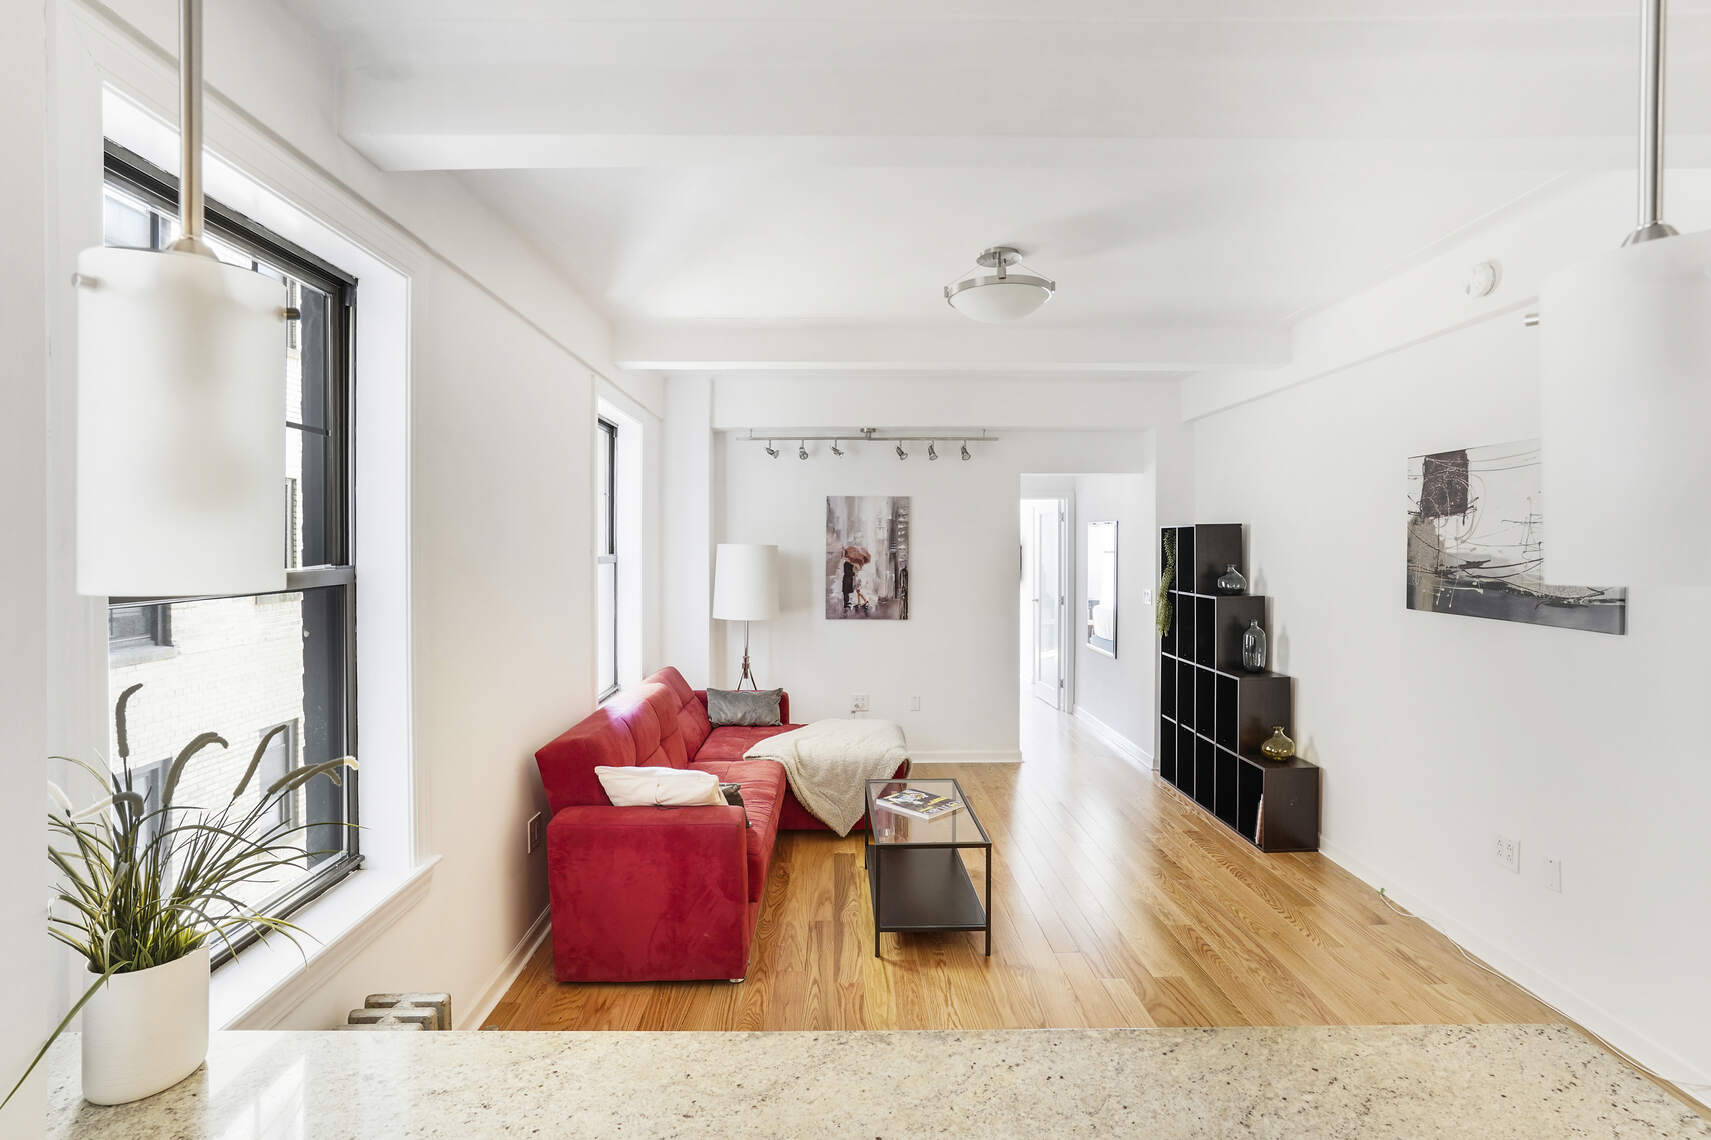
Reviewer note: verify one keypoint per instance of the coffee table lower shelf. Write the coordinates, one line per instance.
(925, 889)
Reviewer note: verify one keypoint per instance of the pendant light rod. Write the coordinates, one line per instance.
(190, 207)
(1652, 225)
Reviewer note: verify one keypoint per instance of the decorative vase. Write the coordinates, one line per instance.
(1231, 581)
(1253, 647)
(146, 1031)
(1278, 746)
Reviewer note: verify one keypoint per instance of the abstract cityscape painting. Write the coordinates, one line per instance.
(867, 557)
(1476, 542)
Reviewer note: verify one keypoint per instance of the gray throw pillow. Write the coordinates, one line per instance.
(725, 706)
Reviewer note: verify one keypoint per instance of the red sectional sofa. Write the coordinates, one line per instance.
(647, 894)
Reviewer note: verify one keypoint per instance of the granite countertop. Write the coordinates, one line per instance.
(1492, 1081)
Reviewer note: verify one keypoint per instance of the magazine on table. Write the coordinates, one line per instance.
(920, 804)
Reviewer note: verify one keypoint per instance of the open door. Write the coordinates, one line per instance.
(1047, 572)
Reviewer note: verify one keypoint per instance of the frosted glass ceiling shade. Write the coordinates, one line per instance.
(997, 301)
(1626, 408)
(745, 582)
(180, 426)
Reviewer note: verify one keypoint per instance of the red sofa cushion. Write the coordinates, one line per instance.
(764, 793)
(638, 726)
(730, 741)
(692, 719)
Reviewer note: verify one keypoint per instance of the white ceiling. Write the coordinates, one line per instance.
(1213, 165)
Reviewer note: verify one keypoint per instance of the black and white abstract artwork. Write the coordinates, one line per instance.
(867, 557)
(1476, 542)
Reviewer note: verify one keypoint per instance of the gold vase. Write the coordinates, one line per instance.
(1278, 746)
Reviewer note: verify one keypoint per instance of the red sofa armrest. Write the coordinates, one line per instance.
(648, 894)
(783, 703)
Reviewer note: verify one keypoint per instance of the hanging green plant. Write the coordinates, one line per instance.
(1165, 611)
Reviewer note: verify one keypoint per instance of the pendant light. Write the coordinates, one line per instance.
(1626, 387)
(999, 297)
(180, 402)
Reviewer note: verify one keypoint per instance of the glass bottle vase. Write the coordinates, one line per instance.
(1231, 581)
(1253, 647)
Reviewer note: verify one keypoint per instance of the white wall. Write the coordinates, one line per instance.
(957, 651)
(503, 354)
(1117, 693)
(27, 980)
(1435, 732)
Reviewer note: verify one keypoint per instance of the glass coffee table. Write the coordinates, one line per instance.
(915, 870)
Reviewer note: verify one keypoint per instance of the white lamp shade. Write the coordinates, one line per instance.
(1001, 302)
(180, 426)
(745, 582)
(1625, 411)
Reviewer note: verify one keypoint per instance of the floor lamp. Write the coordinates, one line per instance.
(745, 589)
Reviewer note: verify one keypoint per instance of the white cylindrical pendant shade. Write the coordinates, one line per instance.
(1626, 408)
(745, 582)
(180, 426)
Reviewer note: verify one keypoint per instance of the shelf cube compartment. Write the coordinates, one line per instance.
(1250, 780)
(1205, 700)
(1167, 750)
(1185, 740)
(1224, 724)
(1224, 787)
(1205, 630)
(1227, 624)
(1216, 546)
(1167, 690)
(1205, 775)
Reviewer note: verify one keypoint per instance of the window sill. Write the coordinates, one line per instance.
(259, 988)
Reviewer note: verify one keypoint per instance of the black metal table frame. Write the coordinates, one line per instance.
(874, 855)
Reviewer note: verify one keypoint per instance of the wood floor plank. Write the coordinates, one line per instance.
(1115, 903)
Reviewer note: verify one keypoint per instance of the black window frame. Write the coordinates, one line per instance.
(153, 186)
(609, 552)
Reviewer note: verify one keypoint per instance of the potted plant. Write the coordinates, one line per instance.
(145, 886)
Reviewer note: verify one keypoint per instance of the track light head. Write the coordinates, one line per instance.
(836, 450)
(965, 452)
(932, 449)
(771, 450)
(802, 449)
(901, 454)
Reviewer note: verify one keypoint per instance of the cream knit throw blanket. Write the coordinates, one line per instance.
(829, 762)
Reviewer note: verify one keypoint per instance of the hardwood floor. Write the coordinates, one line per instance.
(1117, 904)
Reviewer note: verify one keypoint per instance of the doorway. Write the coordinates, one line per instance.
(1045, 606)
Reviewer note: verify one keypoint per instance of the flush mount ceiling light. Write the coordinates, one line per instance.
(1002, 296)
(1626, 387)
(180, 402)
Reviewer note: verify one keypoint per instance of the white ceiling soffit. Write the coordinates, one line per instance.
(535, 84)
(721, 346)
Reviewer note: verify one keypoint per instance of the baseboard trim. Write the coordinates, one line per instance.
(509, 971)
(1589, 1014)
(1122, 745)
(973, 757)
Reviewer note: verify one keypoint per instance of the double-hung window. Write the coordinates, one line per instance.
(242, 666)
(606, 557)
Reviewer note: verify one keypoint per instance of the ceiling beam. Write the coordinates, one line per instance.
(740, 346)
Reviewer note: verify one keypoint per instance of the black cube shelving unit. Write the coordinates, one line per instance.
(1213, 715)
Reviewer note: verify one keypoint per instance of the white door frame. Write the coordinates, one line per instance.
(1059, 695)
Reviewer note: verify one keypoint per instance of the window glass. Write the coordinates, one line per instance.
(245, 666)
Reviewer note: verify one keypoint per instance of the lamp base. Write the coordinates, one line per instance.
(747, 674)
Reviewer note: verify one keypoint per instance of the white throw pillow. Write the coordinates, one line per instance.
(661, 787)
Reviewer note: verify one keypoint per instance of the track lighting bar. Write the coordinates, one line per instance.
(874, 435)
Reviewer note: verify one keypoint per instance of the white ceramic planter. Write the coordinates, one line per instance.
(146, 1031)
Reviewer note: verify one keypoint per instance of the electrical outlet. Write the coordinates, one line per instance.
(1147, 596)
(858, 703)
(1553, 874)
(536, 832)
(914, 704)
(1507, 852)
